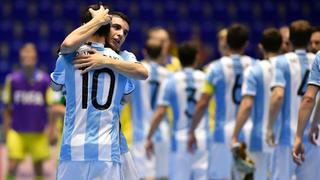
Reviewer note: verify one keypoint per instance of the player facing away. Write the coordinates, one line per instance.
(306, 107)
(143, 105)
(255, 103)
(181, 91)
(291, 72)
(26, 98)
(225, 76)
(92, 140)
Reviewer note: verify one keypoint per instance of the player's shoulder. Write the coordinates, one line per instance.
(282, 59)
(216, 64)
(199, 74)
(127, 55)
(15, 76)
(312, 56)
(247, 58)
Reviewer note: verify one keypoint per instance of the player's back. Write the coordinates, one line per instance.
(144, 102)
(257, 83)
(181, 92)
(91, 125)
(291, 72)
(226, 75)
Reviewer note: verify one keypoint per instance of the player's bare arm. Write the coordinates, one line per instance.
(276, 101)
(95, 60)
(202, 104)
(306, 107)
(77, 37)
(242, 116)
(314, 130)
(157, 117)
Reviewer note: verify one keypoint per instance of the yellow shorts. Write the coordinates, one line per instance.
(21, 144)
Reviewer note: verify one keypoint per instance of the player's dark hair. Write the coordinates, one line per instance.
(121, 15)
(187, 53)
(315, 29)
(271, 40)
(237, 36)
(300, 33)
(153, 51)
(103, 30)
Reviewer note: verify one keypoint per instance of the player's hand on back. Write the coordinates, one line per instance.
(298, 151)
(101, 14)
(94, 60)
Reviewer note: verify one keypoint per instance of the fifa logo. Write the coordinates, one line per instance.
(28, 98)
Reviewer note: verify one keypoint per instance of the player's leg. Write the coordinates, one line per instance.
(128, 167)
(283, 166)
(200, 157)
(39, 148)
(162, 159)
(145, 167)
(220, 161)
(16, 152)
(261, 162)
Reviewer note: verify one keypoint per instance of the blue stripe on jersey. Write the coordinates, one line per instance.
(314, 77)
(221, 106)
(238, 72)
(258, 110)
(285, 134)
(154, 91)
(137, 113)
(70, 115)
(115, 145)
(190, 86)
(175, 108)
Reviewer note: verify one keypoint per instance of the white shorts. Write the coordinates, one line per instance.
(220, 161)
(184, 165)
(146, 167)
(162, 158)
(98, 170)
(283, 166)
(262, 164)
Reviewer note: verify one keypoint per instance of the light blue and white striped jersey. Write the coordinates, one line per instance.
(314, 77)
(226, 76)
(291, 72)
(257, 83)
(181, 91)
(144, 101)
(93, 103)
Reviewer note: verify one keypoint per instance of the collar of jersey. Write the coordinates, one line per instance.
(97, 46)
(300, 51)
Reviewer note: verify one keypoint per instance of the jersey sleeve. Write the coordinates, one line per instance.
(249, 86)
(279, 71)
(6, 94)
(58, 75)
(314, 77)
(129, 88)
(211, 79)
(128, 56)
